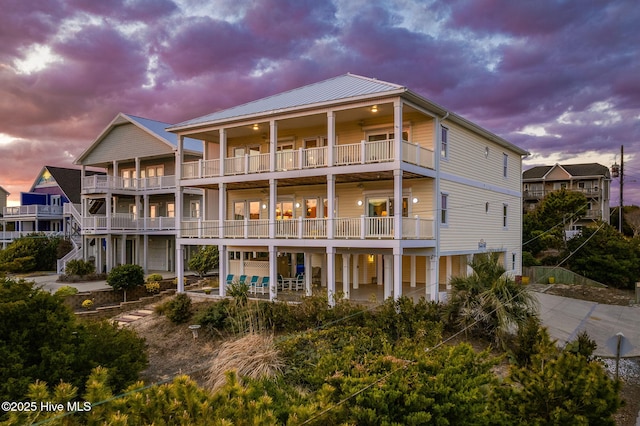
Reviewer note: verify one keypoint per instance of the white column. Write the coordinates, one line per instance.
(222, 208)
(379, 269)
(308, 274)
(397, 273)
(273, 273)
(433, 288)
(449, 266)
(397, 126)
(469, 268)
(397, 201)
(109, 252)
(123, 249)
(331, 137)
(388, 276)
(346, 259)
(223, 151)
(273, 197)
(323, 271)
(180, 267)
(241, 263)
(223, 269)
(331, 275)
(413, 270)
(331, 197)
(356, 271)
(273, 144)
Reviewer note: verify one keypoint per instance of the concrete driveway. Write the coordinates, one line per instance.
(565, 318)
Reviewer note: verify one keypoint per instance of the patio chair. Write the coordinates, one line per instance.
(298, 282)
(242, 279)
(253, 284)
(264, 285)
(280, 282)
(229, 279)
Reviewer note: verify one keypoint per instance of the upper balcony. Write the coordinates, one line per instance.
(126, 222)
(308, 158)
(538, 194)
(103, 183)
(32, 211)
(362, 227)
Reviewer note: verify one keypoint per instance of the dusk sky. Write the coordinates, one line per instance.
(560, 78)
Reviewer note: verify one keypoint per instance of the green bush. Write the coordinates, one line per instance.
(154, 278)
(66, 290)
(125, 277)
(79, 267)
(178, 309)
(34, 252)
(205, 260)
(215, 316)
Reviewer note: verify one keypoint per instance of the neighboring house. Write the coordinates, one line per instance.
(351, 180)
(592, 179)
(128, 215)
(44, 208)
(3, 200)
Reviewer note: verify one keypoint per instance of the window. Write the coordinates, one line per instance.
(171, 210)
(284, 210)
(514, 258)
(153, 210)
(194, 209)
(505, 210)
(128, 177)
(505, 164)
(444, 142)
(444, 209)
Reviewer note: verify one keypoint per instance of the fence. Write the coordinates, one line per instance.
(541, 274)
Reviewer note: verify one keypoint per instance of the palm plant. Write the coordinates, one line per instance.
(488, 301)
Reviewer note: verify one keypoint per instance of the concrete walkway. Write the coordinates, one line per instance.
(49, 283)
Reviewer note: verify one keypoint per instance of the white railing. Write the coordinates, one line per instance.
(32, 210)
(287, 160)
(347, 154)
(13, 235)
(72, 210)
(358, 153)
(74, 254)
(417, 228)
(101, 183)
(415, 154)
(126, 221)
(362, 227)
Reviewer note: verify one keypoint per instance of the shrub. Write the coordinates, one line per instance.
(154, 277)
(124, 277)
(215, 316)
(179, 309)
(87, 303)
(239, 291)
(205, 260)
(34, 252)
(152, 287)
(79, 267)
(66, 290)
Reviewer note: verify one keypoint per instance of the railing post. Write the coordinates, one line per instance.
(301, 164)
(363, 226)
(362, 151)
(246, 164)
(300, 235)
(417, 227)
(246, 227)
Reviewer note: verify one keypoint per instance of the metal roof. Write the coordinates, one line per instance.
(334, 89)
(158, 129)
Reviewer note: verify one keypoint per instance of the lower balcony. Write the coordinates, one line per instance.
(126, 222)
(344, 228)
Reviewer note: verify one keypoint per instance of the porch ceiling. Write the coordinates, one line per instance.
(320, 180)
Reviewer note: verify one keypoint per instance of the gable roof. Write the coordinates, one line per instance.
(4, 190)
(152, 127)
(347, 86)
(69, 180)
(574, 170)
(341, 89)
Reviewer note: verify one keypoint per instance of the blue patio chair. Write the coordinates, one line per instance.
(298, 283)
(253, 284)
(280, 282)
(242, 279)
(264, 285)
(229, 279)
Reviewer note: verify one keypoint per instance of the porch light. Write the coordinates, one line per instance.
(297, 205)
(370, 258)
(264, 207)
(374, 108)
(256, 127)
(360, 203)
(415, 200)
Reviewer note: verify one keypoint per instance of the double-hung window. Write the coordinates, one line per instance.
(505, 165)
(444, 142)
(444, 209)
(505, 212)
